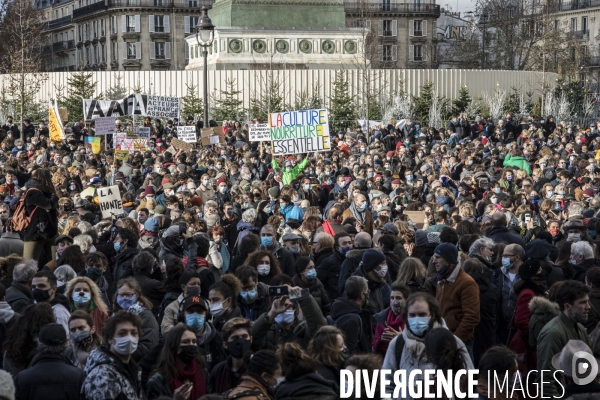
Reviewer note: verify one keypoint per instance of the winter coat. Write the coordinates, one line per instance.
(384, 319)
(507, 299)
(518, 162)
(223, 378)
(49, 377)
(124, 264)
(108, 378)
(414, 357)
(289, 176)
(11, 243)
(171, 315)
(259, 306)
(250, 384)
(520, 341)
(328, 272)
(368, 224)
(551, 340)
(44, 221)
(485, 331)
(18, 296)
(286, 259)
(169, 250)
(149, 334)
(7, 319)
(458, 297)
(542, 312)
(317, 291)
(379, 294)
(358, 333)
(582, 269)
(594, 313)
(152, 289)
(292, 211)
(318, 257)
(349, 266)
(501, 234)
(210, 345)
(308, 387)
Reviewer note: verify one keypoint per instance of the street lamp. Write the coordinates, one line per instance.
(481, 19)
(205, 31)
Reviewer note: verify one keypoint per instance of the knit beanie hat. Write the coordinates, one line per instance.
(7, 386)
(371, 259)
(421, 238)
(274, 191)
(261, 360)
(152, 225)
(448, 252)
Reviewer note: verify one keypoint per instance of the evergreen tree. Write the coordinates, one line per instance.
(191, 103)
(116, 91)
(374, 111)
(228, 105)
(422, 103)
(462, 102)
(270, 102)
(341, 105)
(81, 86)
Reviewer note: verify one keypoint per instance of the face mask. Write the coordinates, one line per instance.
(561, 192)
(397, 306)
(294, 249)
(362, 207)
(382, 272)
(81, 338)
(79, 300)
(263, 269)
(549, 194)
(418, 325)
(223, 189)
(345, 251)
(506, 262)
(187, 353)
(307, 187)
(238, 347)
(285, 318)
(126, 303)
(266, 241)
(282, 206)
(205, 183)
(72, 187)
(577, 317)
(142, 220)
(494, 201)
(94, 273)
(217, 309)
(574, 236)
(311, 274)
(497, 190)
(126, 345)
(342, 184)
(117, 246)
(409, 178)
(574, 262)
(268, 210)
(40, 295)
(194, 321)
(249, 295)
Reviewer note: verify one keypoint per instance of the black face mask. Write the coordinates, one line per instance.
(40, 295)
(188, 353)
(238, 347)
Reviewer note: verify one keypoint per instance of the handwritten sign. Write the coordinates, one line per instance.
(259, 133)
(301, 131)
(142, 132)
(110, 201)
(121, 155)
(105, 125)
(187, 133)
(181, 145)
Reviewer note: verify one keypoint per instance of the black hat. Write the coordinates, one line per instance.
(52, 335)
(529, 268)
(193, 301)
(61, 238)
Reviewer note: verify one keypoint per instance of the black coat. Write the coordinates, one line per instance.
(124, 264)
(50, 376)
(44, 221)
(501, 234)
(18, 296)
(594, 313)
(322, 255)
(328, 273)
(317, 290)
(308, 386)
(151, 288)
(485, 331)
(357, 341)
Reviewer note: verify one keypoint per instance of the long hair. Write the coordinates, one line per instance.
(73, 257)
(411, 269)
(94, 291)
(254, 258)
(21, 339)
(324, 346)
(43, 177)
(294, 361)
(135, 286)
(168, 355)
(442, 350)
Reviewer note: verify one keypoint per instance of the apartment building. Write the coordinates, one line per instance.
(403, 35)
(119, 34)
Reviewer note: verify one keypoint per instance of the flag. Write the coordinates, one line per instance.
(56, 129)
(95, 141)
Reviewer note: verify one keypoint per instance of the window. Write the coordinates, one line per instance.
(94, 29)
(556, 25)
(362, 23)
(387, 28)
(417, 28)
(416, 53)
(190, 24)
(573, 24)
(113, 21)
(388, 53)
(115, 51)
(132, 51)
(102, 53)
(157, 22)
(193, 3)
(384, 5)
(160, 50)
(584, 24)
(102, 28)
(159, 3)
(130, 23)
(187, 51)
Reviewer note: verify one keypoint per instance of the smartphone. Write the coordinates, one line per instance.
(278, 291)
(527, 218)
(444, 181)
(304, 293)
(182, 228)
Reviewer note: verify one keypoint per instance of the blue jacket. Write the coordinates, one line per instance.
(292, 211)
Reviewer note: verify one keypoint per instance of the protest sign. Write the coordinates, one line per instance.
(163, 107)
(187, 133)
(127, 144)
(54, 126)
(171, 150)
(91, 191)
(135, 104)
(105, 125)
(212, 139)
(121, 155)
(142, 132)
(63, 113)
(259, 133)
(95, 142)
(301, 131)
(181, 145)
(110, 201)
(417, 217)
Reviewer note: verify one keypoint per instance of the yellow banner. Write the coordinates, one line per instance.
(121, 154)
(56, 130)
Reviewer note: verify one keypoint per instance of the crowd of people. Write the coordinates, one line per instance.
(236, 274)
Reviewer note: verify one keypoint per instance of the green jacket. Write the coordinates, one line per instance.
(288, 176)
(268, 334)
(517, 161)
(553, 337)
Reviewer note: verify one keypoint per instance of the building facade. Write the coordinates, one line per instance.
(450, 28)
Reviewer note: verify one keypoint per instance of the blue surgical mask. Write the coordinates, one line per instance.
(509, 178)
(249, 295)
(267, 210)
(79, 300)
(266, 241)
(285, 318)
(497, 190)
(312, 274)
(117, 246)
(307, 187)
(126, 303)
(418, 325)
(506, 262)
(194, 321)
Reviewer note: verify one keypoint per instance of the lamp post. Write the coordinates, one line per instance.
(481, 19)
(205, 32)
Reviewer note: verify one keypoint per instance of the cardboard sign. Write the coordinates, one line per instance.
(105, 125)
(259, 133)
(171, 150)
(127, 144)
(417, 217)
(91, 191)
(187, 133)
(214, 139)
(121, 155)
(302, 131)
(206, 132)
(110, 201)
(63, 113)
(181, 145)
(55, 127)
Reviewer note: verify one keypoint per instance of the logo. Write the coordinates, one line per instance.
(584, 368)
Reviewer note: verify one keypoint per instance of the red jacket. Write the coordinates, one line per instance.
(393, 321)
(521, 320)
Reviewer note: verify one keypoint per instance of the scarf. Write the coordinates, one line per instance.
(226, 257)
(359, 215)
(190, 373)
(445, 273)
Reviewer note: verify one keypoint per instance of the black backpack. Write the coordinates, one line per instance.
(335, 322)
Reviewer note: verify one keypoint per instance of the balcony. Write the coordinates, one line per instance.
(580, 35)
(88, 10)
(65, 69)
(59, 23)
(591, 61)
(63, 46)
(576, 5)
(389, 8)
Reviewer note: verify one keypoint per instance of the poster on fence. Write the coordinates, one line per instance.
(187, 133)
(105, 125)
(110, 201)
(298, 132)
(135, 104)
(259, 133)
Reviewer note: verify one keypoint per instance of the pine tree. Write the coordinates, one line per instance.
(81, 86)
(228, 106)
(422, 103)
(270, 102)
(116, 91)
(461, 103)
(192, 104)
(341, 105)
(374, 111)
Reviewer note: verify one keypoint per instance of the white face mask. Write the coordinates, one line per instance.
(263, 269)
(126, 345)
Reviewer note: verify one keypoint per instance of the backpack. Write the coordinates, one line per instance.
(20, 220)
(335, 322)
(399, 348)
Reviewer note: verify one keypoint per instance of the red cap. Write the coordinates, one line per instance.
(396, 182)
(221, 180)
(390, 154)
(149, 190)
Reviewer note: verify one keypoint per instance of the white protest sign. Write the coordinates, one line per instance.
(186, 133)
(128, 144)
(105, 125)
(110, 201)
(303, 131)
(142, 132)
(259, 133)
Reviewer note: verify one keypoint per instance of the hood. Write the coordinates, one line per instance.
(307, 385)
(356, 253)
(541, 305)
(174, 248)
(243, 225)
(36, 185)
(208, 334)
(6, 313)
(343, 306)
(60, 298)
(97, 358)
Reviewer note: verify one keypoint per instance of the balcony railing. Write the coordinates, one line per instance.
(65, 69)
(576, 4)
(102, 5)
(64, 45)
(584, 34)
(87, 10)
(59, 22)
(392, 8)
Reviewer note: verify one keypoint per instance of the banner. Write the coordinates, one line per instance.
(110, 201)
(301, 131)
(259, 133)
(122, 155)
(105, 125)
(54, 126)
(95, 141)
(187, 133)
(135, 104)
(142, 132)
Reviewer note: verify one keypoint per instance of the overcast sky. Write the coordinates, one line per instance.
(463, 5)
